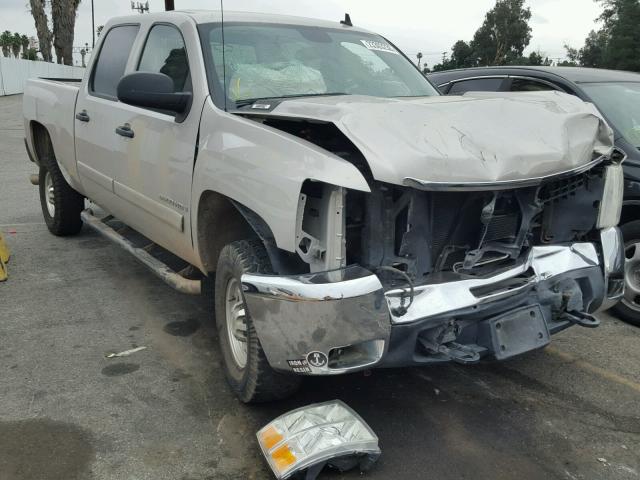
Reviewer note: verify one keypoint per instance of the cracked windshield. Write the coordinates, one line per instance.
(280, 61)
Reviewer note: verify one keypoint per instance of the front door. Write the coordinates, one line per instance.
(153, 178)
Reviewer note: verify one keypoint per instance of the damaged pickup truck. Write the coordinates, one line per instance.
(350, 215)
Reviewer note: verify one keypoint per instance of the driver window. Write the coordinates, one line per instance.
(165, 52)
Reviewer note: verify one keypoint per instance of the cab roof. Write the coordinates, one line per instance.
(212, 16)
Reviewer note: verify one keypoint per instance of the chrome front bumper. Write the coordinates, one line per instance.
(340, 321)
(612, 266)
(305, 323)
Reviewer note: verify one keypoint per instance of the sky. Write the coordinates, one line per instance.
(426, 26)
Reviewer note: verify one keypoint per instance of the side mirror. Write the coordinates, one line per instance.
(152, 90)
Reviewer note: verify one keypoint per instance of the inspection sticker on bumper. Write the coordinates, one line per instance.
(379, 46)
(299, 366)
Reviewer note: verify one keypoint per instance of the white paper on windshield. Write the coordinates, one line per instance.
(379, 46)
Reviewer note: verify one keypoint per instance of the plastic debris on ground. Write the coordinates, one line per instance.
(126, 353)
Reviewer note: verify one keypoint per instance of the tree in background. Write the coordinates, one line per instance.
(63, 16)
(501, 39)
(12, 43)
(573, 56)
(42, 28)
(16, 44)
(24, 41)
(621, 19)
(462, 55)
(30, 54)
(594, 50)
(504, 34)
(5, 42)
(537, 59)
(99, 30)
(617, 44)
(63, 13)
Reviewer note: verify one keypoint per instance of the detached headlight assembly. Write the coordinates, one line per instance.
(312, 437)
(611, 204)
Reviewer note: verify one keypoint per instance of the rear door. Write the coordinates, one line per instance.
(97, 114)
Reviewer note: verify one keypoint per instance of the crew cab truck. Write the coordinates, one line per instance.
(350, 216)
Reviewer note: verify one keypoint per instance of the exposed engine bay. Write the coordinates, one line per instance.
(466, 233)
(421, 233)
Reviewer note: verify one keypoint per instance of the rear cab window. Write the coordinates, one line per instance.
(112, 61)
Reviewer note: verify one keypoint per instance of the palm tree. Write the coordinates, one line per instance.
(24, 41)
(42, 28)
(5, 42)
(63, 13)
(16, 44)
(419, 56)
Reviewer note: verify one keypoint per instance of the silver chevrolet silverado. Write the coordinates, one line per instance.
(350, 215)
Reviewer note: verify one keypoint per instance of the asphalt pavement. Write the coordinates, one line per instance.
(571, 411)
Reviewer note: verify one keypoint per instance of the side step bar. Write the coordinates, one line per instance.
(162, 271)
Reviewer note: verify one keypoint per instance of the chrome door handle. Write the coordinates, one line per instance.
(83, 116)
(125, 131)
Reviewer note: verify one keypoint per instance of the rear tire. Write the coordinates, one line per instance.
(61, 204)
(246, 367)
(628, 309)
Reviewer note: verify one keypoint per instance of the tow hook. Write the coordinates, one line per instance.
(465, 354)
(459, 353)
(583, 319)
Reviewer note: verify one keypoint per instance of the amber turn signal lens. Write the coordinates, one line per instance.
(270, 438)
(283, 457)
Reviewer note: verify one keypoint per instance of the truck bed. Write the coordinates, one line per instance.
(51, 103)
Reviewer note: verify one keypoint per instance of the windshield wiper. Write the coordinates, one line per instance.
(250, 101)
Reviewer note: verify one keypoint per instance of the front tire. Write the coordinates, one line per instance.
(61, 204)
(246, 367)
(628, 309)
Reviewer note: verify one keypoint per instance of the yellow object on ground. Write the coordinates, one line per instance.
(4, 258)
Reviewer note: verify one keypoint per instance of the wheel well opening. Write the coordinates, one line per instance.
(41, 142)
(219, 223)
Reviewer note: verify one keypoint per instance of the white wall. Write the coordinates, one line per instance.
(14, 72)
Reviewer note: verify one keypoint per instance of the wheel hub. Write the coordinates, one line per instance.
(49, 194)
(236, 322)
(632, 276)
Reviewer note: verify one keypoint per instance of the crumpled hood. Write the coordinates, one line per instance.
(481, 137)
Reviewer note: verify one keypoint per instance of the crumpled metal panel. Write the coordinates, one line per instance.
(481, 137)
